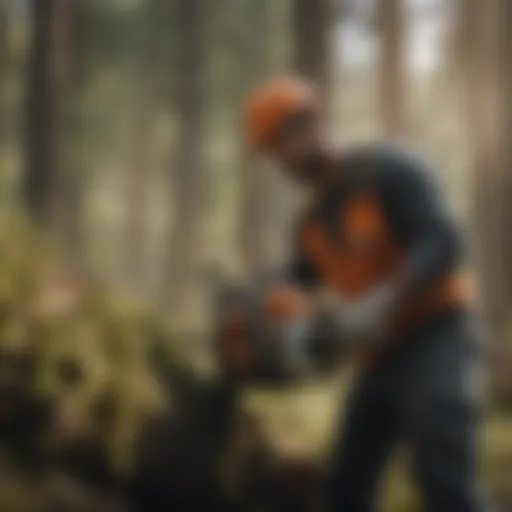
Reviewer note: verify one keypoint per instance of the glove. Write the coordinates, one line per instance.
(367, 319)
(287, 302)
(294, 339)
(289, 317)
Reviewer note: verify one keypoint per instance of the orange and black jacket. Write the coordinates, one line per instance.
(382, 215)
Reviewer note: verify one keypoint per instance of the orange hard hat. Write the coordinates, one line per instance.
(272, 104)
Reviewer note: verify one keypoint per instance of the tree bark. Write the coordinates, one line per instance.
(189, 174)
(4, 70)
(480, 44)
(75, 179)
(138, 194)
(505, 44)
(392, 73)
(47, 88)
(138, 200)
(257, 222)
(311, 33)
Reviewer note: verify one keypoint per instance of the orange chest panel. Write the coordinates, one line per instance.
(359, 250)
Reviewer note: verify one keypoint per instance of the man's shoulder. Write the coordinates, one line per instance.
(381, 155)
(381, 165)
(388, 161)
(389, 168)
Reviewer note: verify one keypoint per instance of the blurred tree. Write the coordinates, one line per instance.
(48, 83)
(257, 198)
(311, 23)
(4, 68)
(392, 73)
(189, 171)
(74, 179)
(147, 53)
(479, 48)
(248, 193)
(506, 131)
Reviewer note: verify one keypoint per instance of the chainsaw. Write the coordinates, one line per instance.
(259, 339)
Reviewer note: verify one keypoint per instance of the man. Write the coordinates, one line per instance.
(379, 242)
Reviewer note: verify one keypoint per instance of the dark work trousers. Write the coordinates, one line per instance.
(425, 394)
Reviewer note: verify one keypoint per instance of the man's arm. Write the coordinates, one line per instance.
(421, 220)
(300, 271)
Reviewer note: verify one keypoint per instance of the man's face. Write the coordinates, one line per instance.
(299, 148)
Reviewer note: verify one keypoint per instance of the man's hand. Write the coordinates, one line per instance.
(286, 302)
(290, 315)
(365, 319)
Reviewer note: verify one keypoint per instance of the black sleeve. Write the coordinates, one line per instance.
(420, 219)
(300, 270)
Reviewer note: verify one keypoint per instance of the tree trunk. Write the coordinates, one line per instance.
(392, 74)
(47, 88)
(311, 32)
(75, 179)
(506, 133)
(138, 194)
(480, 42)
(189, 174)
(258, 206)
(138, 201)
(4, 71)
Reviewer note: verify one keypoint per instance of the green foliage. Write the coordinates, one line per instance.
(90, 344)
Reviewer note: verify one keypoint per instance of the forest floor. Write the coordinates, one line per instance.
(304, 419)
